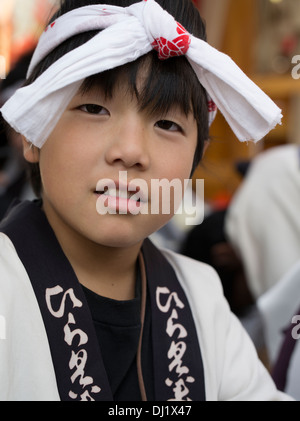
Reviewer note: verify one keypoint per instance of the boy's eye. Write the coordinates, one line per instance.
(168, 125)
(94, 109)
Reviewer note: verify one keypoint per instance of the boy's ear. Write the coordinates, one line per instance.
(30, 152)
(205, 146)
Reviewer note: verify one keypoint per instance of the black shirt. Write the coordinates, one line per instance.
(118, 326)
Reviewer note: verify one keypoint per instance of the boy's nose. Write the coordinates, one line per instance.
(129, 144)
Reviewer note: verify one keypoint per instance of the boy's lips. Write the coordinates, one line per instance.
(118, 197)
(122, 191)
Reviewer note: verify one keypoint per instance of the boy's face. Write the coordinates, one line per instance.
(99, 137)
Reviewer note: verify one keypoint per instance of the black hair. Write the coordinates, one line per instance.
(164, 87)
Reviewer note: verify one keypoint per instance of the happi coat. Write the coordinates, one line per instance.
(203, 353)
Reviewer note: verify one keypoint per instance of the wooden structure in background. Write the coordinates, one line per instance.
(236, 35)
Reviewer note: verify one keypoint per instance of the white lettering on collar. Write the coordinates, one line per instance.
(77, 360)
(177, 349)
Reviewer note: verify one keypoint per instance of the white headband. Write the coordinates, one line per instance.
(129, 33)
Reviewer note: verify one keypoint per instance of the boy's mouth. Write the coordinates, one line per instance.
(123, 189)
(119, 193)
(120, 197)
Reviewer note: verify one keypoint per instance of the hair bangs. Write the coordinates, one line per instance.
(157, 84)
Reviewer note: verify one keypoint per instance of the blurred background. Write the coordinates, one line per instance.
(262, 36)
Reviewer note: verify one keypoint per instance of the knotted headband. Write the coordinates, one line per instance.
(128, 33)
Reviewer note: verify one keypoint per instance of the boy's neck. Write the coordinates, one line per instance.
(107, 271)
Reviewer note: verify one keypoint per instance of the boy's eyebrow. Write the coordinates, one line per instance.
(154, 106)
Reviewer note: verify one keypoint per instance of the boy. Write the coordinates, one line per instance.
(113, 102)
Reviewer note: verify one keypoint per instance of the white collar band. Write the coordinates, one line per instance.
(127, 34)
